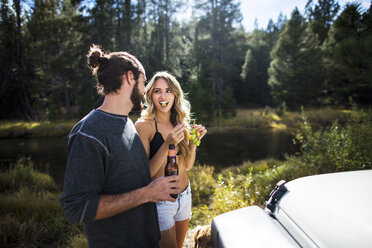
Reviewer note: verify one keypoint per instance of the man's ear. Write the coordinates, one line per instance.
(130, 77)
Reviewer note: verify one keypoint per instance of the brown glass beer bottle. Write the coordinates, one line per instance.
(171, 167)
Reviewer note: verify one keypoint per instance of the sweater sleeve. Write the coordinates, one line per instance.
(85, 173)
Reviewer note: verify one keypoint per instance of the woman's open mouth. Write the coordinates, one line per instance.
(164, 103)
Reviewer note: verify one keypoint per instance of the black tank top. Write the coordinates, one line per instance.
(156, 142)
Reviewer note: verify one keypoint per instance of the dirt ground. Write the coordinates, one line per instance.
(189, 240)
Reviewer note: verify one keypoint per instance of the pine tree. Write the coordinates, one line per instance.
(54, 60)
(254, 90)
(160, 52)
(103, 24)
(13, 48)
(295, 71)
(9, 102)
(321, 16)
(349, 53)
(215, 47)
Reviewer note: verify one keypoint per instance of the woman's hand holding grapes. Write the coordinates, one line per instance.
(176, 135)
(197, 133)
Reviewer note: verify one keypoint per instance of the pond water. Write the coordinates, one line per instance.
(217, 149)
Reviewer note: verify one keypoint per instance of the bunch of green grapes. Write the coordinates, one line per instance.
(194, 136)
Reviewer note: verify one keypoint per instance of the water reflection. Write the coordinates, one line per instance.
(232, 148)
(217, 149)
(47, 154)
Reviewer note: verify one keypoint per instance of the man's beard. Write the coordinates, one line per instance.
(136, 98)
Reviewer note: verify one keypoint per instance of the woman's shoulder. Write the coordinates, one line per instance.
(143, 124)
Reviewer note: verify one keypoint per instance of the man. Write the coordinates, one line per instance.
(107, 183)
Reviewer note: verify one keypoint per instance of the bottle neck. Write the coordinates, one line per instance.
(171, 153)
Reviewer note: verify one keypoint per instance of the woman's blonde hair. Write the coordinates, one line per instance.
(180, 111)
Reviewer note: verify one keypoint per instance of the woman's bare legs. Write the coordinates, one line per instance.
(181, 230)
(168, 238)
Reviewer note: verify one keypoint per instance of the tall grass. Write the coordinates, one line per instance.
(23, 175)
(21, 129)
(202, 184)
(265, 118)
(30, 213)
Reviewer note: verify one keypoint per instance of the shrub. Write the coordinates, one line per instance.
(334, 148)
(232, 193)
(229, 194)
(263, 176)
(202, 184)
(29, 220)
(30, 213)
(201, 215)
(266, 111)
(339, 147)
(31, 233)
(23, 175)
(78, 241)
(228, 104)
(281, 109)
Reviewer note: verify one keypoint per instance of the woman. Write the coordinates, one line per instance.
(168, 115)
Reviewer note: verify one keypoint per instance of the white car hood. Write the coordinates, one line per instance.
(329, 210)
(249, 227)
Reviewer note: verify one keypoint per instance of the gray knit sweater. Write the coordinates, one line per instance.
(106, 156)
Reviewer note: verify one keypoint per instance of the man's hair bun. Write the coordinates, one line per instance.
(96, 58)
(108, 68)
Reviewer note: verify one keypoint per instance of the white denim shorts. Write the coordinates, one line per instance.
(170, 212)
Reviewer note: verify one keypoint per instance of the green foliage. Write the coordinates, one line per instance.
(29, 233)
(331, 149)
(78, 241)
(338, 147)
(8, 33)
(54, 111)
(103, 28)
(281, 109)
(218, 51)
(201, 100)
(268, 173)
(30, 213)
(228, 104)
(35, 129)
(295, 74)
(202, 184)
(201, 215)
(266, 111)
(228, 194)
(254, 118)
(23, 175)
(54, 61)
(247, 185)
(30, 221)
(321, 16)
(348, 56)
(263, 176)
(231, 193)
(254, 89)
(243, 119)
(45, 77)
